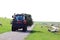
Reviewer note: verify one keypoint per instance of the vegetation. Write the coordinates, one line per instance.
(6, 26)
(42, 33)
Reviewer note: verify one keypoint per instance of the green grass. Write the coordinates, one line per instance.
(6, 26)
(39, 33)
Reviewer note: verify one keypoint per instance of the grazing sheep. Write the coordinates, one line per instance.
(53, 28)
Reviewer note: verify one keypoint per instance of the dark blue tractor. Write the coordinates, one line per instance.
(21, 21)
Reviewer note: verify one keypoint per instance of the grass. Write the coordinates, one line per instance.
(39, 33)
(6, 26)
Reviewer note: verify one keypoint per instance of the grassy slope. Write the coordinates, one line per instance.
(39, 33)
(6, 26)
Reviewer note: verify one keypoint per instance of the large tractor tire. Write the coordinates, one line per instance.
(24, 29)
(14, 28)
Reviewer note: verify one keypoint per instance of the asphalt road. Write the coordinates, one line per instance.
(17, 35)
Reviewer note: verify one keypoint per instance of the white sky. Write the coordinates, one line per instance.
(41, 10)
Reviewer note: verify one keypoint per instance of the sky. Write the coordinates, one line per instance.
(41, 10)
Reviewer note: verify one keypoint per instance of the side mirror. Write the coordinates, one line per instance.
(12, 17)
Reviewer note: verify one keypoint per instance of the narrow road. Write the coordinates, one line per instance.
(17, 35)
